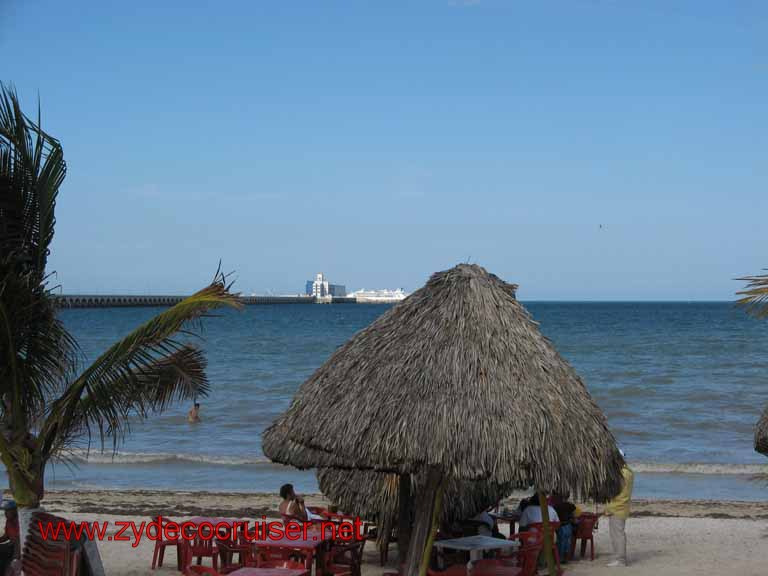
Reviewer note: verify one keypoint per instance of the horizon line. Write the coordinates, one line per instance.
(553, 300)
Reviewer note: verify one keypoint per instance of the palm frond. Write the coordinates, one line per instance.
(37, 353)
(43, 405)
(36, 350)
(755, 295)
(140, 374)
(32, 169)
(112, 402)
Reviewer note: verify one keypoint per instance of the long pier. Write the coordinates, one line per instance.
(135, 301)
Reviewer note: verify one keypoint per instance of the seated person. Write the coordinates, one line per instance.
(292, 504)
(485, 524)
(531, 513)
(566, 512)
(9, 541)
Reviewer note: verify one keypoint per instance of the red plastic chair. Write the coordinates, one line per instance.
(585, 530)
(524, 562)
(48, 557)
(344, 559)
(524, 558)
(227, 550)
(278, 556)
(529, 539)
(235, 543)
(161, 545)
(529, 557)
(553, 526)
(199, 547)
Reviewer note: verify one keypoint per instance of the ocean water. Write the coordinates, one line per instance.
(682, 385)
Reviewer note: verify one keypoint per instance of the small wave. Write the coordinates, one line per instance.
(699, 468)
(95, 457)
(159, 458)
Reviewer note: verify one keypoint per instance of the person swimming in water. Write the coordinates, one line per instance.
(194, 413)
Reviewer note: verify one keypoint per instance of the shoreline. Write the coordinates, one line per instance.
(257, 504)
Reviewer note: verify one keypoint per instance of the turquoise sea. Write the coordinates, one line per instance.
(682, 385)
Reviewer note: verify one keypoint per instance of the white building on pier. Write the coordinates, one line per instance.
(321, 288)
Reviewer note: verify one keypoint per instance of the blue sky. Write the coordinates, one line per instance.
(382, 141)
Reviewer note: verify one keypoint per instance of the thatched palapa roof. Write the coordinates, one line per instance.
(761, 433)
(456, 377)
(367, 493)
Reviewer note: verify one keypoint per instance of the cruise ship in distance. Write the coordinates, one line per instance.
(379, 295)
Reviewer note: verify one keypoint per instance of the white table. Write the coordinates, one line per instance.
(476, 544)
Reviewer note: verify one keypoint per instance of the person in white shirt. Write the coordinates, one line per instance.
(531, 513)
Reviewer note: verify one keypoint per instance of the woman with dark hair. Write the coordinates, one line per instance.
(530, 513)
(292, 504)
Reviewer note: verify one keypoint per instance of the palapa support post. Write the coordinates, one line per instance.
(436, 509)
(405, 506)
(422, 526)
(551, 570)
(384, 530)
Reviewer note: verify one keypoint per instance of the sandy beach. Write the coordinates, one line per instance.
(665, 537)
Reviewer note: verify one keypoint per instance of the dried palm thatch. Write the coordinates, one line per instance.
(371, 494)
(456, 378)
(761, 434)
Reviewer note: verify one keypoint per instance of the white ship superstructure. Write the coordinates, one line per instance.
(379, 296)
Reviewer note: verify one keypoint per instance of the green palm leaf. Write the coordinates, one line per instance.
(32, 169)
(755, 295)
(36, 352)
(111, 403)
(44, 405)
(141, 374)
